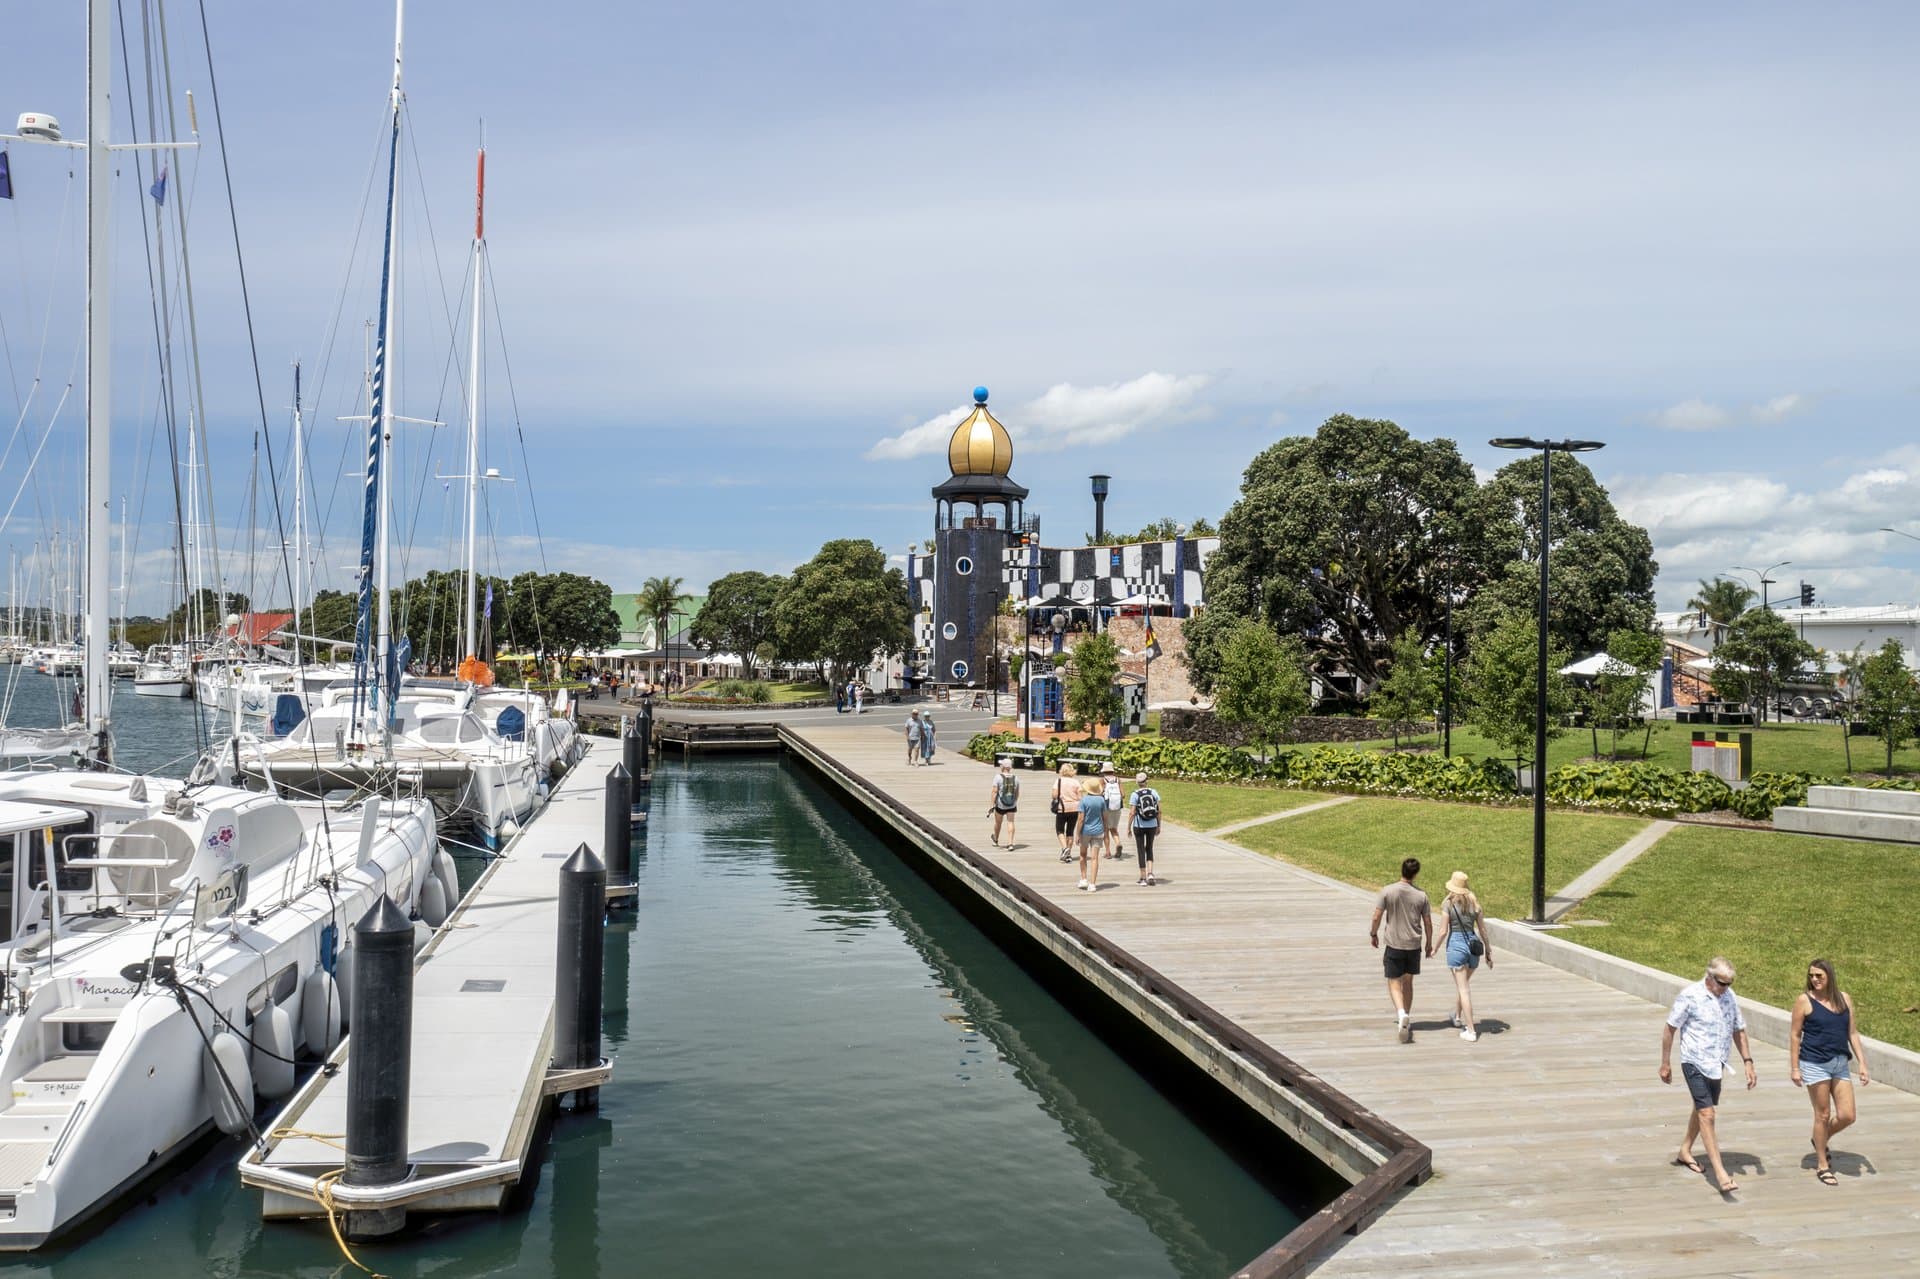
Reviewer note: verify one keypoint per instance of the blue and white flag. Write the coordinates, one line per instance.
(6, 178)
(488, 610)
(159, 188)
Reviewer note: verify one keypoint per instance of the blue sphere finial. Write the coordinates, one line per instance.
(979, 395)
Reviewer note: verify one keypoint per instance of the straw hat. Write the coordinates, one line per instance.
(1457, 882)
(1108, 770)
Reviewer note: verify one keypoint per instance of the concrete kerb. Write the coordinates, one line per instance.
(1890, 1064)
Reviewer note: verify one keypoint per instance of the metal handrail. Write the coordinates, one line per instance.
(98, 863)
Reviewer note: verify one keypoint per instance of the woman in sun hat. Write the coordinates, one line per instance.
(1467, 943)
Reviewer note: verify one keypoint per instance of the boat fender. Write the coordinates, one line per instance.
(422, 934)
(507, 829)
(228, 1055)
(343, 965)
(273, 1050)
(449, 877)
(433, 902)
(320, 1012)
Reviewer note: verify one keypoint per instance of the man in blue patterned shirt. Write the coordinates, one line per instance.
(1708, 1019)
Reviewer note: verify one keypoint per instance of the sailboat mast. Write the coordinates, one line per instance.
(99, 382)
(375, 561)
(470, 643)
(299, 509)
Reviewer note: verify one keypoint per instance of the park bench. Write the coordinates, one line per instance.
(1030, 752)
(1092, 757)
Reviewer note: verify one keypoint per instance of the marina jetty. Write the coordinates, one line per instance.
(503, 1017)
(1543, 1149)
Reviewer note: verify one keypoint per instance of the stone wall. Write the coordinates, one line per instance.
(1197, 725)
(1166, 682)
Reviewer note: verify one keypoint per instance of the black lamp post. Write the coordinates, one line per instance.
(1059, 646)
(1026, 674)
(1446, 688)
(1100, 509)
(1547, 448)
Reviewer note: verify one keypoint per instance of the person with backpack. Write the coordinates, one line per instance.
(1143, 819)
(1005, 800)
(1110, 821)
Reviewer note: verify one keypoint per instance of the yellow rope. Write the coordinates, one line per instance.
(323, 1188)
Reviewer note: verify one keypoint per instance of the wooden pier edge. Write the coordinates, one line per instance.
(1378, 1158)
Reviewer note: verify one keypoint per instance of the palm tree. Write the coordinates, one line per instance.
(660, 599)
(1718, 603)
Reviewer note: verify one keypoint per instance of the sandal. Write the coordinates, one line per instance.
(1688, 1164)
(1826, 1176)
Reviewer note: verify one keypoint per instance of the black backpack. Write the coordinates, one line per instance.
(1146, 805)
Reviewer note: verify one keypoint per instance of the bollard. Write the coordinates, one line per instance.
(646, 740)
(577, 975)
(378, 1066)
(617, 830)
(631, 749)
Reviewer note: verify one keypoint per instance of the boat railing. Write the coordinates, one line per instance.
(104, 859)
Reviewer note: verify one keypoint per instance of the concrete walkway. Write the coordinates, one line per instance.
(1551, 1136)
(1605, 869)
(1280, 816)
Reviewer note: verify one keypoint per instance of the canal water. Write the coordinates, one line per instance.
(824, 1069)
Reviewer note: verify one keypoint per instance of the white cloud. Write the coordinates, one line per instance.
(918, 441)
(1691, 415)
(1780, 407)
(1066, 415)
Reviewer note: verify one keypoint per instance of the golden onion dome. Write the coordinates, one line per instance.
(980, 445)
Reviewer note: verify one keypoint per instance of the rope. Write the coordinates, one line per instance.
(323, 1188)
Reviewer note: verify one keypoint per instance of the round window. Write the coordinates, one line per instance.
(959, 670)
(963, 566)
(950, 631)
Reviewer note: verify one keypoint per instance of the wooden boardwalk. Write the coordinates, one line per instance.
(1551, 1135)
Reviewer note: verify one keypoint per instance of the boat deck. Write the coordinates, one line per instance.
(482, 1030)
(1551, 1136)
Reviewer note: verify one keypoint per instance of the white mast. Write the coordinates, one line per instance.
(99, 383)
(470, 642)
(299, 492)
(383, 632)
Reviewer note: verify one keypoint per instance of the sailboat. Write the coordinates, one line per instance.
(170, 952)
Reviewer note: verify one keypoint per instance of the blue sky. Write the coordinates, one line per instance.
(743, 251)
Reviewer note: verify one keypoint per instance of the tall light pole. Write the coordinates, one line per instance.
(1546, 449)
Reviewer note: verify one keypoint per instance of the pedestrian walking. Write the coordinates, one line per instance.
(1467, 944)
(1143, 820)
(926, 738)
(1823, 1047)
(839, 699)
(913, 737)
(1066, 809)
(1110, 820)
(1091, 840)
(859, 697)
(1005, 802)
(1708, 1021)
(1408, 917)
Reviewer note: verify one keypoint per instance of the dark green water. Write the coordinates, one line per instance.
(823, 1069)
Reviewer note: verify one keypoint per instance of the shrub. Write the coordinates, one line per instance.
(1637, 788)
(742, 690)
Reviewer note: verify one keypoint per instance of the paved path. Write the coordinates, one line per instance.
(1280, 816)
(1551, 1135)
(1605, 869)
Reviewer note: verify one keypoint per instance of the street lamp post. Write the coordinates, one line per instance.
(1026, 676)
(1446, 688)
(1100, 509)
(1546, 449)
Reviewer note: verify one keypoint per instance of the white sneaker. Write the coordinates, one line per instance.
(1401, 1017)
(1093, 888)
(1081, 884)
(1457, 1023)
(1469, 1035)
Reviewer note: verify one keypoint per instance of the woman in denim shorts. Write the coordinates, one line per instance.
(1823, 1047)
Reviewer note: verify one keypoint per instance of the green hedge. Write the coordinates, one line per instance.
(1622, 787)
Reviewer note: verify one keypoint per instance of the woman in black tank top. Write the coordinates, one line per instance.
(1824, 1049)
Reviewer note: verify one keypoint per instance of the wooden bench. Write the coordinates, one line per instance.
(1031, 752)
(1090, 756)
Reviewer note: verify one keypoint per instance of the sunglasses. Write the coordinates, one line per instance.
(1721, 981)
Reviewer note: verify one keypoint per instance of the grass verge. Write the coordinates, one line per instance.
(1363, 843)
(1780, 748)
(1770, 903)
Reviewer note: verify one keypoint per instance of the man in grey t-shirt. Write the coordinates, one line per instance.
(1408, 916)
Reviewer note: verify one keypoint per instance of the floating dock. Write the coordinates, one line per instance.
(483, 1037)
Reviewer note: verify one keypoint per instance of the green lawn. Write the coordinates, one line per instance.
(1783, 748)
(800, 692)
(1770, 903)
(1364, 841)
(1205, 805)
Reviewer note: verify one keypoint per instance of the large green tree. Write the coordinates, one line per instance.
(1600, 575)
(1889, 700)
(1262, 685)
(559, 614)
(1349, 537)
(1760, 654)
(842, 607)
(1502, 683)
(738, 614)
(1092, 699)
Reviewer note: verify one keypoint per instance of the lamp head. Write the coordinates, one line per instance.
(1100, 485)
